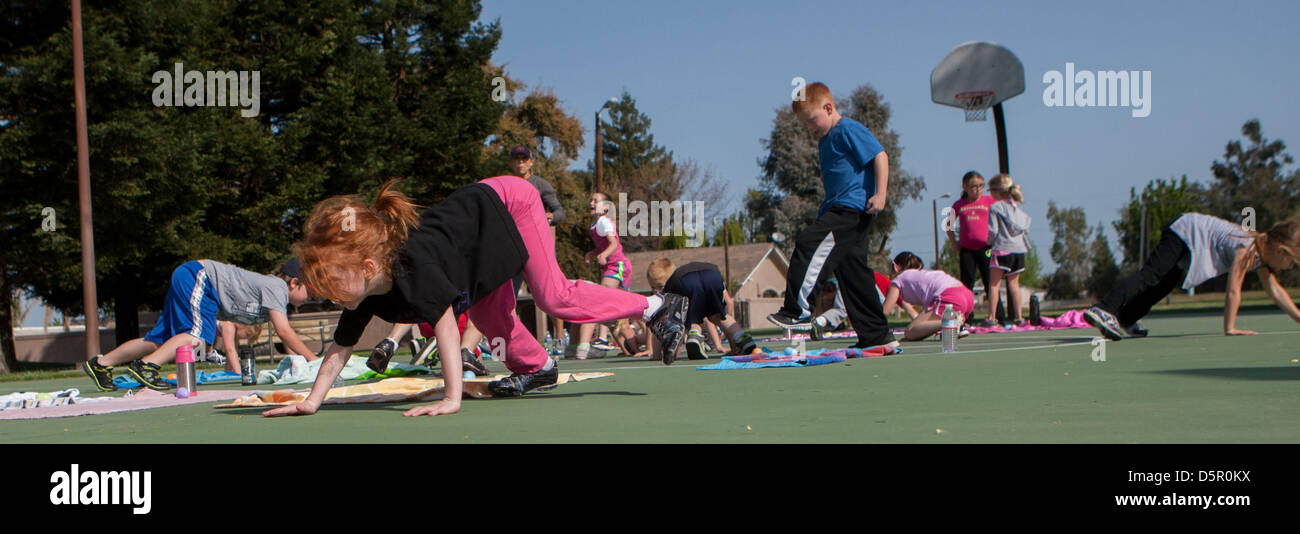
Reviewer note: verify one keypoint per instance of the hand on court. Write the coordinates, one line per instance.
(1239, 332)
(444, 407)
(301, 408)
(876, 203)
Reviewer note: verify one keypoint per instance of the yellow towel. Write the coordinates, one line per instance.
(401, 389)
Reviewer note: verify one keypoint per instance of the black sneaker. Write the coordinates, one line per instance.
(695, 347)
(669, 325)
(378, 361)
(148, 374)
(516, 384)
(470, 363)
(1035, 311)
(987, 323)
(744, 347)
(1136, 330)
(1105, 322)
(102, 376)
(784, 320)
(818, 329)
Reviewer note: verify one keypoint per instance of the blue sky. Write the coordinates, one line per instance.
(710, 74)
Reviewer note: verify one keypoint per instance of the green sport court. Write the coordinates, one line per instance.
(1187, 383)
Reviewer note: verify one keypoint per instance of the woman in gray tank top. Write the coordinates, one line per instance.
(1195, 248)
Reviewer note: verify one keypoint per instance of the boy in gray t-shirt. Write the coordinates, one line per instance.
(201, 293)
(246, 297)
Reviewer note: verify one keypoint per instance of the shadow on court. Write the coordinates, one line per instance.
(1240, 373)
(406, 405)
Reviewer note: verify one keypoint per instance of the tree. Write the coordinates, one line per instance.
(1103, 273)
(626, 142)
(1032, 276)
(1070, 236)
(949, 259)
(1255, 177)
(539, 121)
(645, 172)
(790, 185)
(735, 225)
(352, 94)
(1164, 201)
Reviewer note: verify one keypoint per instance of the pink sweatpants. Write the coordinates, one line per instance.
(576, 301)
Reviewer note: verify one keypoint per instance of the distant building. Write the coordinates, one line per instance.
(757, 271)
(757, 274)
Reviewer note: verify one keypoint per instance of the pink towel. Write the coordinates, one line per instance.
(1070, 319)
(140, 401)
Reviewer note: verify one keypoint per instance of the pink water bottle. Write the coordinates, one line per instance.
(185, 371)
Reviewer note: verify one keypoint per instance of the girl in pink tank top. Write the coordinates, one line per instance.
(615, 269)
(931, 290)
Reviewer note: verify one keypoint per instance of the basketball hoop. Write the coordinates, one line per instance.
(976, 104)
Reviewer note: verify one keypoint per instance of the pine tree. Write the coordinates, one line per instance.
(626, 142)
(1103, 273)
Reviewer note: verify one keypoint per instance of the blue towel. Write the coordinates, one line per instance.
(813, 357)
(726, 364)
(202, 377)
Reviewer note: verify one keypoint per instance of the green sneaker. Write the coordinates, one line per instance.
(148, 374)
(695, 346)
(102, 376)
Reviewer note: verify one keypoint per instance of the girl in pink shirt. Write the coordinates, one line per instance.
(971, 214)
(931, 290)
(615, 269)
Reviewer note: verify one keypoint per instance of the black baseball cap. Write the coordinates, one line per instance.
(292, 268)
(521, 151)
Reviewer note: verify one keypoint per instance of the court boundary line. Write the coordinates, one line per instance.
(960, 353)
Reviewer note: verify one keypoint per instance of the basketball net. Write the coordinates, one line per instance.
(976, 104)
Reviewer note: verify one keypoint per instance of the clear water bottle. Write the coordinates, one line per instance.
(550, 344)
(948, 330)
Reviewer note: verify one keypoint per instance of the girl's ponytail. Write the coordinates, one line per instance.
(1015, 193)
(396, 211)
(1003, 182)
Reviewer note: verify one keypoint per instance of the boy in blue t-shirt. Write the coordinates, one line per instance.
(855, 174)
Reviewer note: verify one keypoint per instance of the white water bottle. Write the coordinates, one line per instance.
(948, 330)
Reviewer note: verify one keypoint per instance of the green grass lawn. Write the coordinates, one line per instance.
(1185, 383)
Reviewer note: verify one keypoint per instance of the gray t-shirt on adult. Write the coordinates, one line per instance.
(1213, 243)
(550, 201)
(245, 296)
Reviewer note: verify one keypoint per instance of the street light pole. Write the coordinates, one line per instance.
(89, 293)
(934, 212)
(600, 159)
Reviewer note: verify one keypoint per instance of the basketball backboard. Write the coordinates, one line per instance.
(977, 70)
